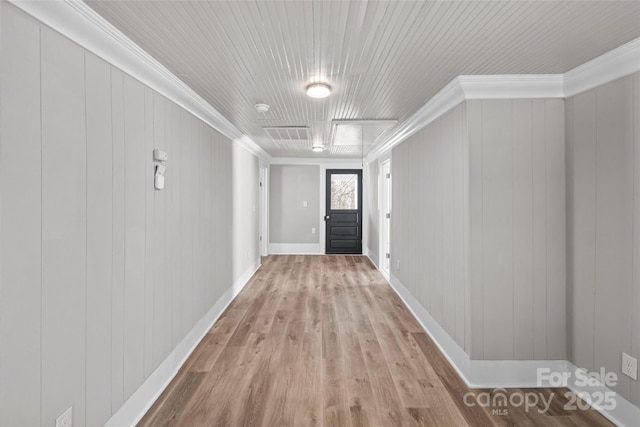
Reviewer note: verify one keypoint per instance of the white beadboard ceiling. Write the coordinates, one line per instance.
(383, 59)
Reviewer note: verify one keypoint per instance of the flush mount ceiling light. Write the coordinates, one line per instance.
(317, 148)
(262, 108)
(318, 90)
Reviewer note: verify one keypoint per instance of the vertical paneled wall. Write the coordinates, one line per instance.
(371, 210)
(20, 222)
(64, 221)
(102, 276)
(603, 153)
(517, 222)
(428, 222)
(478, 226)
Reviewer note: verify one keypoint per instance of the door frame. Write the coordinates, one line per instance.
(327, 193)
(385, 207)
(263, 217)
(324, 164)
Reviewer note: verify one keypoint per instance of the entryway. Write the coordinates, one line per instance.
(343, 214)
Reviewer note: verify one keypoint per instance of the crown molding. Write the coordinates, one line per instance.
(318, 161)
(615, 64)
(249, 145)
(447, 98)
(77, 21)
(80, 23)
(512, 86)
(462, 88)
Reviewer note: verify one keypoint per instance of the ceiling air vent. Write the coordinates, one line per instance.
(288, 136)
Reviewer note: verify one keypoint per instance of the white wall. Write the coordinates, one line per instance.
(290, 220)
(245, 193)
(517, 225)
(428, 227)
(478, 226)
(101, 276)
(603, 153)
(371, 212)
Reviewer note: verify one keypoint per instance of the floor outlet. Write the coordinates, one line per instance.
(630, 366)
(66, 419)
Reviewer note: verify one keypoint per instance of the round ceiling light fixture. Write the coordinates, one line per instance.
(317, 148)
(262, 108)
(318, 90)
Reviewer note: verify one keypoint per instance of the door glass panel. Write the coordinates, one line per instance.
(344, 191)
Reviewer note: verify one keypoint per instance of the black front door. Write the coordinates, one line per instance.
(344, 211)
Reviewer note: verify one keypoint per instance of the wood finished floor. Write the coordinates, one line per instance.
(324, 341)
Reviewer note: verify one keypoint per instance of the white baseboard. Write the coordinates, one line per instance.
(132, 411)
(476, 373)
(623, 414)
(373, 257)
(495, 374)
(295, 249)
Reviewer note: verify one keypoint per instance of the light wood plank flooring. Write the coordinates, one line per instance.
(324, 341)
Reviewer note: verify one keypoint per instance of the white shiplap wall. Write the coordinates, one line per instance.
(101, 275)
(603, 153)
(478, 226)
(517, 221)
(428, 229)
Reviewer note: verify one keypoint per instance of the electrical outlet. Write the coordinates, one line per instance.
(66, 419)
(630, 366)
(313, 230)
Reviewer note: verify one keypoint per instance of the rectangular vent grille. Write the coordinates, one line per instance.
(288, 133)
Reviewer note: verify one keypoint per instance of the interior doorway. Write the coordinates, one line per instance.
(385, 220)
(263, 221)
(343, 213)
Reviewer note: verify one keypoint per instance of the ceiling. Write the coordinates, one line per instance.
(382, 59)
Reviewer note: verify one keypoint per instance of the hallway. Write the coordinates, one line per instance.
(324, 341)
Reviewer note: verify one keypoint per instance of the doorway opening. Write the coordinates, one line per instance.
(343, 213)
(263, 223)
(385, 220)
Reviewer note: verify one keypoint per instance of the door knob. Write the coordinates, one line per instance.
(327, 217)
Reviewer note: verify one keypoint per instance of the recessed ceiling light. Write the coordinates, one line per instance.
(318, 90)
(262, 108)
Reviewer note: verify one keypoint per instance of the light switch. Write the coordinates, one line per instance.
(305, 204)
